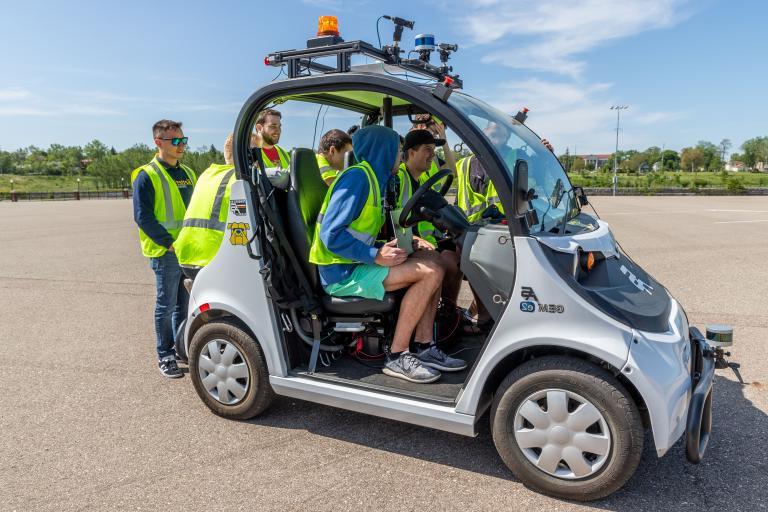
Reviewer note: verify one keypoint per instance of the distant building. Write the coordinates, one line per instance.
(735, 166)
(594, 161)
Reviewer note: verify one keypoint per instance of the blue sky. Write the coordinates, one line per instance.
(689, 71)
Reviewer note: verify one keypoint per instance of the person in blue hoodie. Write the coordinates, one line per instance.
(351, 264)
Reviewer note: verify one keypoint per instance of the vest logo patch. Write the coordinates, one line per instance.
(238, 233)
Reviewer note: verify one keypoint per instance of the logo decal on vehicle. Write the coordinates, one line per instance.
(528, 306)
(237, 206)
(527, 293)
(238, 233)
(640, 285)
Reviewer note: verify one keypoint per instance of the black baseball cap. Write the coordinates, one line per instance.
(418, 137)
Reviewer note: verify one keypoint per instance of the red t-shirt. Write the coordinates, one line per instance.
(272, 154)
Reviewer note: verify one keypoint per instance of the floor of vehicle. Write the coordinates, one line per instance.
(368, 374)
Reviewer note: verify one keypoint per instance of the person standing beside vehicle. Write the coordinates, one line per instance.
(269, 127)
(334, 144)
(350, 264)
(161, 192)
(206, 217)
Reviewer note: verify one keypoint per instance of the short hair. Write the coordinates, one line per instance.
(229, 158)
(163, 126)
(267, 112)
(334, 139)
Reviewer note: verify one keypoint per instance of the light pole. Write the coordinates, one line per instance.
(618, 109)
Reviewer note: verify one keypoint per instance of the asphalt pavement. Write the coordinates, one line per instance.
(88, 423)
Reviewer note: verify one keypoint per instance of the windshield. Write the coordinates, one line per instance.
(555, 202)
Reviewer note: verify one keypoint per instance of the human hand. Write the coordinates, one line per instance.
(390, 255)
(170, 248)
(419, 244)
(257, 140)
(548, 145)
(437, 129)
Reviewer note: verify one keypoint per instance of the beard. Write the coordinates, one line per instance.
(269, 139)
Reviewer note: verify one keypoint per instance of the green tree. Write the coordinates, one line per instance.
(671, 160)
(755, 150)
(692, 159)
(95, 150)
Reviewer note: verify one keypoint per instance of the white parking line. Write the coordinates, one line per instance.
(740, 221)
(740, 211)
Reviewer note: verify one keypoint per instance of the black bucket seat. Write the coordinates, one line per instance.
(304, 200)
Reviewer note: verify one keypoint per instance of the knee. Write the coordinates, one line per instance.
(435, 271)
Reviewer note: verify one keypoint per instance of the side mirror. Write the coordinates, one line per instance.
(557, 194)
(521, 188)
(581, 195)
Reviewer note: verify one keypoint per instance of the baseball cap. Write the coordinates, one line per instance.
(417, 137)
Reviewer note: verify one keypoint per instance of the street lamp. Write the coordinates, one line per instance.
(618, 109)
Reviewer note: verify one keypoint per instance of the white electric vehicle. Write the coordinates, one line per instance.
(586, 351)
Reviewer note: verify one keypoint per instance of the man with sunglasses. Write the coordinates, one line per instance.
(161, 192)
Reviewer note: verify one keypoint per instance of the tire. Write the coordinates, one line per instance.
(240, 377)
(577, 391)
(181, 350)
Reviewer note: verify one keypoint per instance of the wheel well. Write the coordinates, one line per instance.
(213, 315)
(515, 359)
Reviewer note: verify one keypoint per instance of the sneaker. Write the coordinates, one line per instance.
(435, 358)
(170, 369)
(407, 366)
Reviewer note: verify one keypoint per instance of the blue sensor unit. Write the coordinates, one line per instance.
(425, 42)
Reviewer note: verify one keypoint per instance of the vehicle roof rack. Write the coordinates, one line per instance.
(301, 63)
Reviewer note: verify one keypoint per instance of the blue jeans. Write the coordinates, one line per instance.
(172, 300)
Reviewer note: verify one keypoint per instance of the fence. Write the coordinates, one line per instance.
(65, 196)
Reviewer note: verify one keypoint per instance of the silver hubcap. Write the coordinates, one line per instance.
(223, 372)
(562, 434)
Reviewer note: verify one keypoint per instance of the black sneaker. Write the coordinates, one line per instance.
(170, 369)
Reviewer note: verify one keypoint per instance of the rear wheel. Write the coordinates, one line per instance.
(567, 428)
(229, 372)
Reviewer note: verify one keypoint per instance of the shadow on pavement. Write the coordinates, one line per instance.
(733, 475)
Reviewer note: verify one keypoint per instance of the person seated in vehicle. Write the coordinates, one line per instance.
(330, 154)
(475, 191)
(206, 217)
(352, 265)
(269, 127)
(419, 158)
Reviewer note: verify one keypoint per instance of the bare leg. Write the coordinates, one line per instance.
(423, 278)
(425, 329)
(452, 281)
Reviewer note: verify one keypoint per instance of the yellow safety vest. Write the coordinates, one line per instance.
(425, 230)
(326, 171)
(365, 227)
(169, 207)
(206, 217)
(285, 159)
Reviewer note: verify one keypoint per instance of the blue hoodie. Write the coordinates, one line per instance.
(378, 146)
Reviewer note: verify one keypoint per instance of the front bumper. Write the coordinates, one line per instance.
(699, 421)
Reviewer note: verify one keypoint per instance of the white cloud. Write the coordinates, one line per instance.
(575, 115)
(549, 34)
(14, 93)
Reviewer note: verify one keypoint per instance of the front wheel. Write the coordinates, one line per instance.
(567, 428)
(229, 372)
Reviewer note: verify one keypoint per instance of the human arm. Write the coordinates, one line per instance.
(438, 131)
(347, 200)
(144, 211)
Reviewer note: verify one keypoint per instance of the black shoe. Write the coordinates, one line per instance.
(170, 369)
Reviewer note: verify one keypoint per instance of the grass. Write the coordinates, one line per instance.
(48, 183)
(733, 181)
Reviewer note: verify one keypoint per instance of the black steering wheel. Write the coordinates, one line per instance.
(406, 220)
